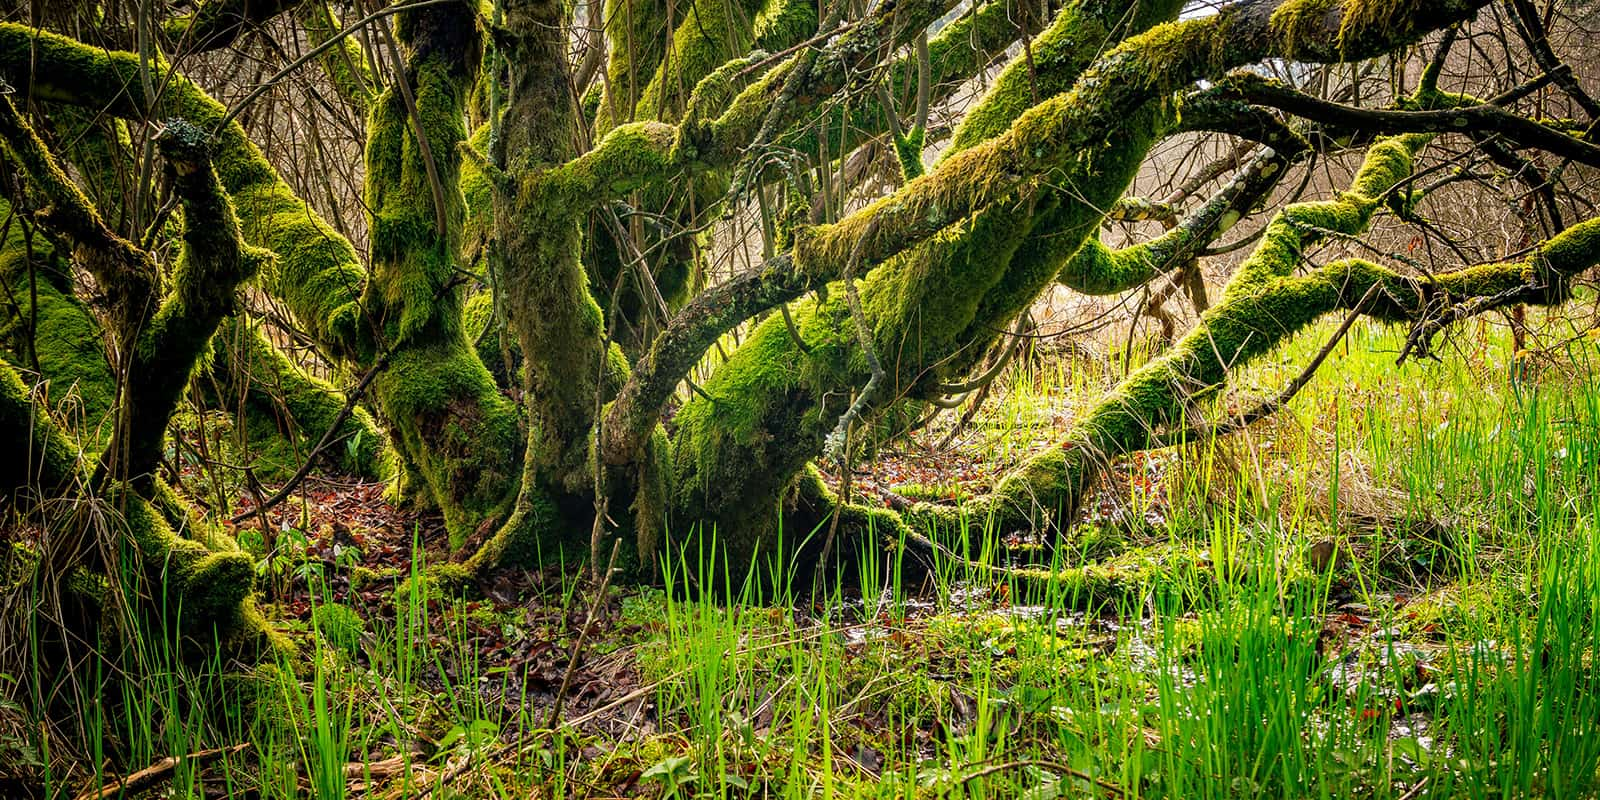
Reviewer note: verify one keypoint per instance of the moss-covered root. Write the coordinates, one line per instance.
(205, 587)
(283, 411)
(455, 430)
(911, 557)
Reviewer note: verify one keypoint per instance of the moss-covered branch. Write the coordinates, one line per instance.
(283, 412)
(441, 399)
(961, 50)
(219, 23)
(212, 264)
(1067, 138)
(707, 35)
(316, 272)
(1474, 118)
(197, 579)
(1098, 270)
(933, 312)
(1056, 58)
(1263, 304)
(648, 155)
(126, 275)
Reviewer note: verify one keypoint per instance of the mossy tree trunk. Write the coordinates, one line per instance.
(893, 304)
(449, 423)
(448, 420)
(199, 580)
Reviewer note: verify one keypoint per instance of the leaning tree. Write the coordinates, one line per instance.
(512, 330)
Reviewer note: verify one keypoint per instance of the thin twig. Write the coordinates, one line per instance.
(583, 634)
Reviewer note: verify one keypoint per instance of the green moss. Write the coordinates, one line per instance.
(48, 459)
(340, 626)
(1075, 37)
(449, 422)
(285, 411)
(316, 272)
(707, 35)
(497, 347)
(213, 262)
(203, 584)
(908, 151)
(533, 532)
(1303, 24)
(782, 24)
(47, 330)
(933, 310)
(345, 65)
(636, 41)
(477, 193)
(456, 430)
(435, 582)
(1298, 21)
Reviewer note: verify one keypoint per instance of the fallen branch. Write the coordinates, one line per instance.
(146, 779)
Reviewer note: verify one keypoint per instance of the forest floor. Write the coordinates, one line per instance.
(1391, 589)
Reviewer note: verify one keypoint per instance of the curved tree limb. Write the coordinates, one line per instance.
(219, 23)
(1481, 118)
(1041, 140)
